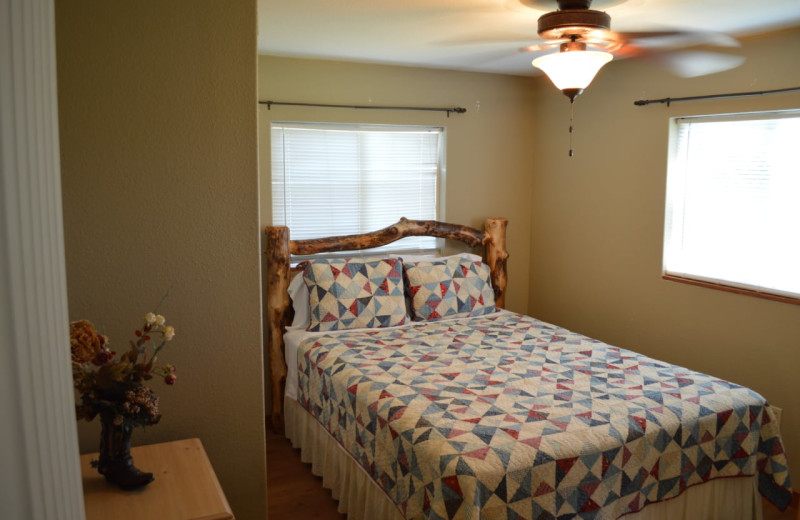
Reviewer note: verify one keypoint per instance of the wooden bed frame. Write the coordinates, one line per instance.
(279, 248)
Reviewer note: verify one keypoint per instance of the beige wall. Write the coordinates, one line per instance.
(160, 188)
(598, 222)
(490, 159)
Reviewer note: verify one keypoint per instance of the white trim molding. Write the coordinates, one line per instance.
(39, 463)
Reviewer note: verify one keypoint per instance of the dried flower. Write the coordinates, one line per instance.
(85, 342)
(143, 403)
(103, 357)
(116, 386)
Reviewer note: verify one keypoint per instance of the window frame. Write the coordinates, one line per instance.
(673, 164)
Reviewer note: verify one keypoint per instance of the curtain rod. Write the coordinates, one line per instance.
(643, 102)
(457, 110)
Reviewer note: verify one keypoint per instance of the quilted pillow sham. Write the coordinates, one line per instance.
(354, 293)
(449, 288)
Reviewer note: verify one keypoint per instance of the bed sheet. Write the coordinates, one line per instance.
(506, 416)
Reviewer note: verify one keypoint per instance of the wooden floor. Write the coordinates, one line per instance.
(293, 493)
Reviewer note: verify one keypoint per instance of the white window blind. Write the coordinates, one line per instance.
(330, 180)
(733, 192)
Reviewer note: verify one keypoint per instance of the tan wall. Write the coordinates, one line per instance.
(598, 223)
(160, 188)
(490, 160)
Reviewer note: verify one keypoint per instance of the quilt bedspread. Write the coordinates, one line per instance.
(505, 416)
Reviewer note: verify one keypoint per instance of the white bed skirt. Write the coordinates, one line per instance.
(361, 499)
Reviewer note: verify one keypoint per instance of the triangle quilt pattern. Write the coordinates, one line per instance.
(355, 293)
(505, 416)
(449, 288)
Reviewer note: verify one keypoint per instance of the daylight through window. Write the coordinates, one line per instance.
(733, 191)
(330, 180)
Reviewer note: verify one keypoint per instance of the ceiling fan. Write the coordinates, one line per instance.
(586, 42)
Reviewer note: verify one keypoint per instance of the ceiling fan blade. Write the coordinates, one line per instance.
(679, 39)
(500, 37)
(545, 46)
(691, 64)
(636, 35)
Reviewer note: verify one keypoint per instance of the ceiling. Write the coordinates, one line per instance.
(484, 35)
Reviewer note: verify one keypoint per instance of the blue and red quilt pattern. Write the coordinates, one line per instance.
(508, 417)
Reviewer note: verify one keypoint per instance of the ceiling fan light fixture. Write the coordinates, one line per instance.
(571, 70)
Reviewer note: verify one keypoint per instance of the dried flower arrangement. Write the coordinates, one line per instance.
(109, 385)
(114, 389)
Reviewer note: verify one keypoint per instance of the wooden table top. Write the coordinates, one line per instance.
(185, 486)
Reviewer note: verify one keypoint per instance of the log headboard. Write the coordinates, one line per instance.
(279, 248)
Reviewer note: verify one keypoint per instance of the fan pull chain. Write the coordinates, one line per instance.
(571, 119)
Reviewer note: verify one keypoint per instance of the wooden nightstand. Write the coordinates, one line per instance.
(185, 486)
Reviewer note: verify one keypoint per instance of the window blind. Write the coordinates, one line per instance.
(330, 180)
(732, 196)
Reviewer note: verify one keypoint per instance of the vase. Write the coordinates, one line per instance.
(115, 462)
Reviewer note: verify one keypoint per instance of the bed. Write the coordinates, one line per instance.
(415, 395)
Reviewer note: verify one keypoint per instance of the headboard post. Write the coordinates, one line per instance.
(494, 240)
(277, 303)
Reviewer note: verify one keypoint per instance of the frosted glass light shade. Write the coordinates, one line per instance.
(572, 69)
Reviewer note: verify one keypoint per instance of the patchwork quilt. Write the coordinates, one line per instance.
(504, 416)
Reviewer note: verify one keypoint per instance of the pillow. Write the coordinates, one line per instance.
(354, 293)
(298, 292)
(449, 288)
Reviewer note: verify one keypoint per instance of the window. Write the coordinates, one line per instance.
(330, 180)
(733, 190)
